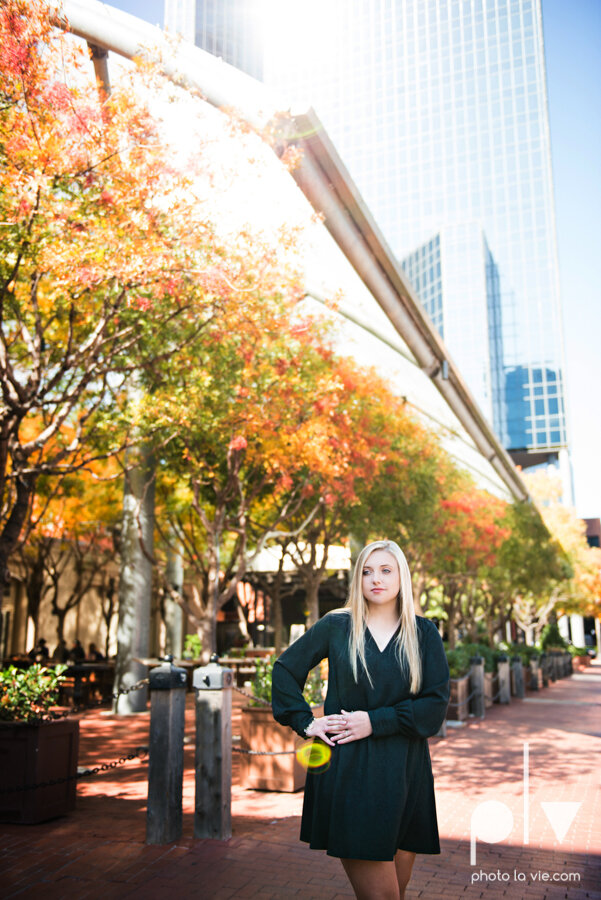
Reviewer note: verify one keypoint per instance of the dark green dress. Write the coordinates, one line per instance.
(377, 795)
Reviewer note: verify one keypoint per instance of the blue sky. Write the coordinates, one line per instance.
(572, 30)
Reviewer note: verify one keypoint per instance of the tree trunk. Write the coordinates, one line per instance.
(312, 599)
(174, 573)
(135, 587)
(278, 621)
(9, 537)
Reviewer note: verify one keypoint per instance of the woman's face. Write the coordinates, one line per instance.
(381, 580)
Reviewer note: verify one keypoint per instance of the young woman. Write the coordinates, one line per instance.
(388, 690)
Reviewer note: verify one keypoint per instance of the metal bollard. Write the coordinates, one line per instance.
(166, 754)
(477, 686)
(213, 800)
(517, 677)
(504, 679)
(534, 673)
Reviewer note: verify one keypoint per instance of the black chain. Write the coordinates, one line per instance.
(139, 753)
(95, 704)
(263, 752)
(252, 697)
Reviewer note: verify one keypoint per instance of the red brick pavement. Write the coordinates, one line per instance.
(99, 852)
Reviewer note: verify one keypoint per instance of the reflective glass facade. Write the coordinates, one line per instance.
(457, 280)
(439, 110)
(231, 30)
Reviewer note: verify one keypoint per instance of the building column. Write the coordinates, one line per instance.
(563, 623)
(577, 629)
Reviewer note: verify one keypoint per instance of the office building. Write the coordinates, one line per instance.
(439, 110)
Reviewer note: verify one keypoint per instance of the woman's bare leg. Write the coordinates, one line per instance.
(403, 861)
(372, 879)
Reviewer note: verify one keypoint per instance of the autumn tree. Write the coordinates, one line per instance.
(108, 263)
(240, 442)
(469, 530)
(578, 591)
(71, 548)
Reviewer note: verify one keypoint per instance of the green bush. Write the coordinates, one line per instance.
(551, 638)
(192, 646)
(459, 661)
(26, 694)
(483, 650)
(577, 651)
(261, 687)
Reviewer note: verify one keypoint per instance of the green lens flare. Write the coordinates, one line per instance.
(314, 755)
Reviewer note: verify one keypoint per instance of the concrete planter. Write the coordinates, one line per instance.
(34, 754)
(260, 731)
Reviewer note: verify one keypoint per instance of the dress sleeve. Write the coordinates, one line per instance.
(420, 716)
(290, 673)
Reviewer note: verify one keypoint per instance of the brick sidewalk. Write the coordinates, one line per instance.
(99, 852)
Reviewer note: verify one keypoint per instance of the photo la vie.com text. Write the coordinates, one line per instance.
(492, 821)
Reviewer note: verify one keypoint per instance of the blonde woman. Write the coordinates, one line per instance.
(388, 691)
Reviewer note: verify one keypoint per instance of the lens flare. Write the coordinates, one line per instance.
(314, 755)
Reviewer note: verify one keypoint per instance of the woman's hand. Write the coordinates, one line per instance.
(325, 725)
(358, 726)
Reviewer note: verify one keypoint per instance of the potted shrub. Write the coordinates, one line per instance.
(35, 749)
(459, 666)
(260, 731)
(580, 656)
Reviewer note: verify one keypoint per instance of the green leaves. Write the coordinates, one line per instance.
(26, 694)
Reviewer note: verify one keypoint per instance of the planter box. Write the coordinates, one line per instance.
(34, 754)
(260, 731)
(458, 709)
(581, 661)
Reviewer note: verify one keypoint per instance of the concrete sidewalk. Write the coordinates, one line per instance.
(99, 852)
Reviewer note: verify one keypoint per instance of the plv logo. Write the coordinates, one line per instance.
(492, 821)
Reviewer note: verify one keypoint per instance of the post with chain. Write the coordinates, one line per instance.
(166, 754)
(517, 678)
(213, 801)
(477, 686)
(504, 679)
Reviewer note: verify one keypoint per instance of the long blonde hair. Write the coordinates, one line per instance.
(407, 646)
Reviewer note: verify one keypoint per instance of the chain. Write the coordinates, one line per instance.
(263, 752)
(139, 753)
(252, 697)
(80, 707)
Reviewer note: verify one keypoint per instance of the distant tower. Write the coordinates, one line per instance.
(230, 29)
(439, 110)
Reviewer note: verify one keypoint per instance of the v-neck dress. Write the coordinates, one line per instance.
(377, 794)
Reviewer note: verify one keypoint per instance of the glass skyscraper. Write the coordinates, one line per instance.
(439, 110)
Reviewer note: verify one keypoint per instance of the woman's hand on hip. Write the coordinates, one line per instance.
(358, 726)
(325, 725)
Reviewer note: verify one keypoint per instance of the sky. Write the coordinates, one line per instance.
(572, 31)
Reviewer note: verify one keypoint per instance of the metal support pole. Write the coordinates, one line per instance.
(100, 58)
(517, 677)
(166, 754)
(477, 686)
(213, 801)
